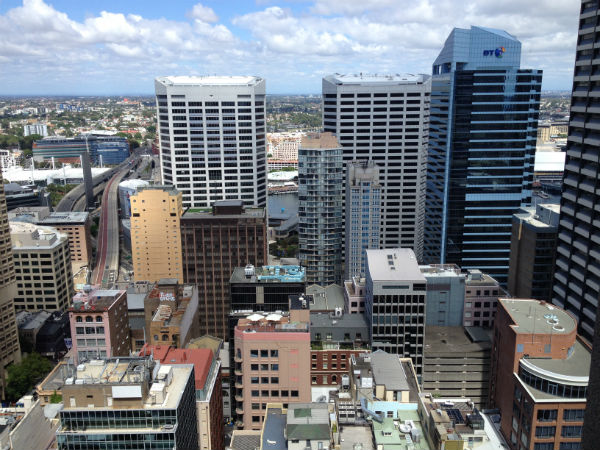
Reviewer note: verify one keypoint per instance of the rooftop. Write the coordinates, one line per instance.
(269, 323)
(377, 79)
(29, 320)
(448, 340)
(268, 274)
(201, 358)
(73, 217)
(537, 317)
(319, 140)
(245, 440)
(209, 80)
(394, 264)
(388, 371)
(552, 161)
(544, 216)
(325, 298)
(308, 421)
(273, 435)
(320, 320)
(476, 277)
(127, 375)
(389, 435)
(441, 270)
(168, 189)
(207, 214)
(96, 300)
(28, 236)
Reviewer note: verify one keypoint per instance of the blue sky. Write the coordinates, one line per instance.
(119, 47)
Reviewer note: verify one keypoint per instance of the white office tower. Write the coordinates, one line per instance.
(363, 215)
(212, 138)
(385, 118)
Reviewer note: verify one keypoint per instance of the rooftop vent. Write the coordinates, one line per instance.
(249, 270)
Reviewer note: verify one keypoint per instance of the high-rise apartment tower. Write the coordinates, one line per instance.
(320, 194)
(482, 135)
(212, 138)
(363, 215)
(386, 119)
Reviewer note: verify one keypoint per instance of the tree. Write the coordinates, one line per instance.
(23, 376)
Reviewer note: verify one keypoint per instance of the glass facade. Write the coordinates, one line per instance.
(483, 130)
(135, 429)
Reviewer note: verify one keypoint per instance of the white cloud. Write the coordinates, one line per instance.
(290, 43)
(203, 13)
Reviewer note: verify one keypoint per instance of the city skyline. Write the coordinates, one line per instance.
(62, 47)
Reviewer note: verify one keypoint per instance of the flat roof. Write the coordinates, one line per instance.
(269, 274)
(273, 436)
(207, 214)
(537, 317)
(448, 340)
(96, 300)
(549, 161)
(387, 370)
(327, 320)
(394, 264)
(72, 217)
(326, 298)
(323, 140)
(245, 440)
(119, 372)
(377, 79)
(209, 80)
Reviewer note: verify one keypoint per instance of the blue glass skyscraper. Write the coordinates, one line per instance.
(483, 127)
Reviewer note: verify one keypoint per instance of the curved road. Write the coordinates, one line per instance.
(107, 256)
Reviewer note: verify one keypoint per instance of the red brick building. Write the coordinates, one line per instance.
(539, 376)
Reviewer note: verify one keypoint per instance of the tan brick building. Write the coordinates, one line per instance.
(155, 233)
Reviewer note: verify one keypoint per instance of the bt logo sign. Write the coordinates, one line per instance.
(497, 53)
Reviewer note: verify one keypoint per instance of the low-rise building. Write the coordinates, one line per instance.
(272, 364)
(481, 299)
(99, 324)
(171, 312)
(354, 295)
(133, 403)
(445, 294)
(451, 423)
(540, 371)
(43, 332)
(325, 298)
(42, 267)
(209, 405)
(335, 338)
(457, 363)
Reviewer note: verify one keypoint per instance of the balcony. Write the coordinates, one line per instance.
(240, 412)
(238, 358)
(239, 398)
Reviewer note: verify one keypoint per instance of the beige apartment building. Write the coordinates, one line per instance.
(10, 352)
(75, 224)
(272, 364)
(42, 267)
(155, 233)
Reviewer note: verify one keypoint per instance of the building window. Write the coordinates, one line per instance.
(572, 431)
(274, 367)
(264, 353)
(547, 415)
(573, 415)
(295, 394)
(78, 319)
(543, 446)
(569, 446)
(98, 318)
(545, 432)
(314, 380)
(274, 353)
(254, 380)
(254, 353)
(253, 366)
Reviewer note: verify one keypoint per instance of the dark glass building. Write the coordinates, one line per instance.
(483, 128)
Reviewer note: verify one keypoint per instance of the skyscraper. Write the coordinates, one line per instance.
(576, 285)
(483, 128)
(10, 351)
(363, 215)
(212, 138)
(385, 119)
(320, 193)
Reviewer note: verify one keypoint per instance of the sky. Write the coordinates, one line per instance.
(110, 47)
